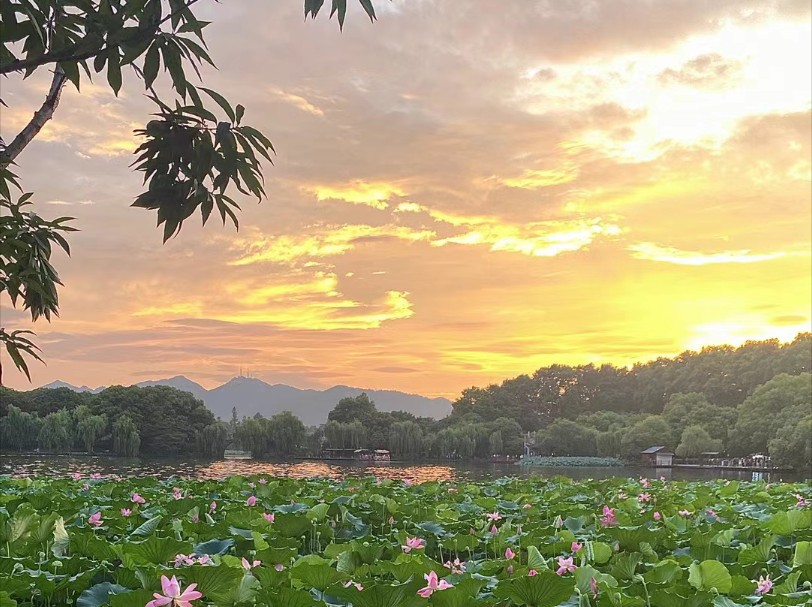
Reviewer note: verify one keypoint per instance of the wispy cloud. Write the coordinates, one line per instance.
(372, 194)
(654, 252)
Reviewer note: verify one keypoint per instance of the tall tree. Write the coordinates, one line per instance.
(57, 432)
(126, 438)
(288, 433)
(196, 152)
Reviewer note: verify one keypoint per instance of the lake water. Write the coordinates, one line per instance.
(59, 465)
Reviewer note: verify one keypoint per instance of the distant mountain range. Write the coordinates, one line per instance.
(252, 396)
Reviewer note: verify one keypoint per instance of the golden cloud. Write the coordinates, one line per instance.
(532, 179)
(539, 239)
(654, 252)
(332, 241)
(298, 101)
(372, 194)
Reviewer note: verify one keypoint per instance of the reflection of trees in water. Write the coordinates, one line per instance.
(58, 465)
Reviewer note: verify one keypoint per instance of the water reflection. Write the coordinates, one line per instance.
(58, 465)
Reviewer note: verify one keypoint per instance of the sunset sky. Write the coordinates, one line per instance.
(463, 192)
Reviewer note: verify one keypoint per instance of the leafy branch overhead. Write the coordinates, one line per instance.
(197, 153)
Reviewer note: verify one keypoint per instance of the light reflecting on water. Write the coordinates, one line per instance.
(61, 465)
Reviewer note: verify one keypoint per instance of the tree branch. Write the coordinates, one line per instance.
(70, 54)
(41, 116)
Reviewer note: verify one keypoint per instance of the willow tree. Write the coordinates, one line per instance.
(213, 439)
(19, 429)
(91, 429)
(56, 434)
(126, 439)
(197, 152)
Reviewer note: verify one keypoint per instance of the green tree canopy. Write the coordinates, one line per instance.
(695, 441)
(782, 401)
(649, 432)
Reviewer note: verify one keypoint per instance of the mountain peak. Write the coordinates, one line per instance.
(251, 396)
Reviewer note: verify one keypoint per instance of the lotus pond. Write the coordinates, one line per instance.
(366, 542)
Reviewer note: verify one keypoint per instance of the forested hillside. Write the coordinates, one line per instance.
(739, 401)
(753, 399)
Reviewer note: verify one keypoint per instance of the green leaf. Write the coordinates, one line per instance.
(543, 590)
(214, 547)
(221, 101)
(152, 61)
(535, 560)
(6, 601)
(156, 550)
(803, 554)
(317, 576)
(710, 574)
(601, 552)
(216, 583)
(99, 594)
(61, 539)
(148, 527)
(114, 73)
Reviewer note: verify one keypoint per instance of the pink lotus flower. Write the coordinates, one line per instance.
(251, 501)
(263, 481)
(657, 516)
(433, 584)
(456, 566)
(85, 487)
(764, 585)
(184, 559)
(126, 512)
(509, 554)
(172, 594)
(204, 560)
(252, 485)
(575, 547)
(685, 513)
(391, 520)
(527, 506)
(177, 493)
(645, 482)
(593, 586)
(565, 565)
(644, 497)
(95, 519)
(801, 501)
(359, 587)
(137, 499)
(195, 518)
(279, 567)
(268, 516)
(248, 566)
(609, 518)
(212, 506)
(413, 543)
(558, 522)
(494, 530)
(76, 476)
(494, 516)
(95, 476)
(509, 569)
(408, 482)
(452, 489)
(532, 572)
(621, 495)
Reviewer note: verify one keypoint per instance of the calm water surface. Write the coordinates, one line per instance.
(57, 465)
